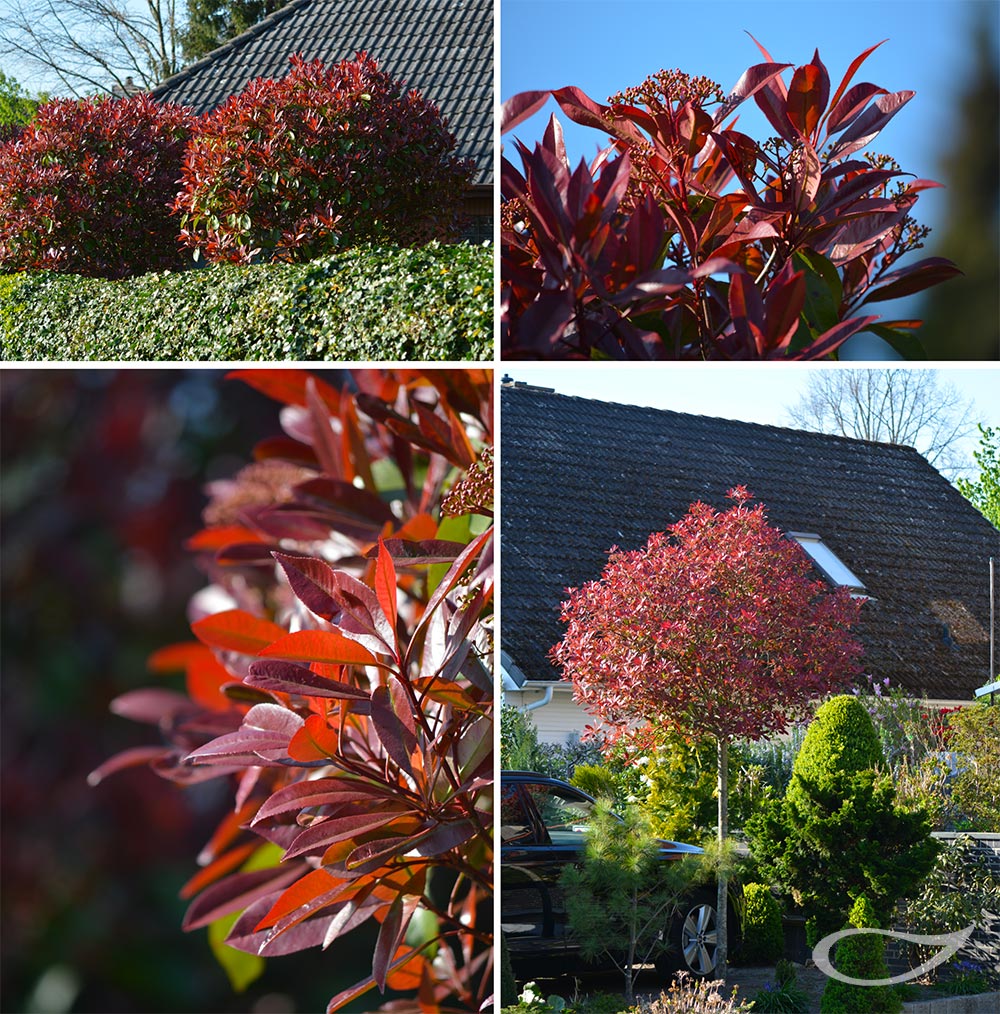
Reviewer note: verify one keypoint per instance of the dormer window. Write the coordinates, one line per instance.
(829, 564)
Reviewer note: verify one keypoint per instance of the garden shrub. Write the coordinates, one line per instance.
(597, 780)
(338, 685)
(961, 890)
(86, 188)
(838, 832)
(763, 936)
(688, 995)
(973, 733)
(324, 157)
(861, 957)
(367, 303)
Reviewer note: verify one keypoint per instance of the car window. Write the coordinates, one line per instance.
(565, 814)
(515, 826)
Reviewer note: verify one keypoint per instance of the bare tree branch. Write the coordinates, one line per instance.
(892, 406)
(94, 45)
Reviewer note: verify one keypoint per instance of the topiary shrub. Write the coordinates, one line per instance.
(861, 957)
(86, 188)
(289, 169)
(763, 936)
(838, 832)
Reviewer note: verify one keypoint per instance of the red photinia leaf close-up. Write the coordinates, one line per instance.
(340, 680)
(607, 260)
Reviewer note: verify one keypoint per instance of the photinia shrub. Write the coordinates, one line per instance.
(87, 186)
(687, 239)
(340, 680)
(288, 169)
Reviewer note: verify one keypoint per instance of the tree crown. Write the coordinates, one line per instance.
(717, 626)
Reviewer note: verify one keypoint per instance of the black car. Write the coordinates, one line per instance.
(543, 823)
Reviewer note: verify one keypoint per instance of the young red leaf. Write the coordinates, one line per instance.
(852, 70)
(385, 589)
(807, 96)
(314, 741)
(237, 630)
(328, 646)
(220, 536)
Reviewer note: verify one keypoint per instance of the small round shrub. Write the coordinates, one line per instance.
(327, 156)
(86, 188)
(860, 957)
(763, 936)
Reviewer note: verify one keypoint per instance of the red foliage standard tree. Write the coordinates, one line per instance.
(340, 679)
(87, 186)
(326, 156)
(686, 239)
(715, 628)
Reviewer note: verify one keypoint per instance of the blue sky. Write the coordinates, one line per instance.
(603, 47)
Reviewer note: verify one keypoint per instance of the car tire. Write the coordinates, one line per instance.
(692, 937)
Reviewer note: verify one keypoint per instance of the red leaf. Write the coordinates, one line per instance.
(385, 588)
(314, 741)
(311, 890)
(807, 96)
(394, 723)
(288, 386)
(237, 630)
(291, 678)
(520, 107)
(869, 124)
(852, 70)
(176, 657)
(913, 278)
(220, 536)
(851, 105)
(322, 792)
(328, 646)
(234, 893)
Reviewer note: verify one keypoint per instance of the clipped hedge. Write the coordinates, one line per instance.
(366, 303)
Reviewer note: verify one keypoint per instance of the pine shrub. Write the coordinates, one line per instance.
(763, 936)
(839, 833)
(861, 957)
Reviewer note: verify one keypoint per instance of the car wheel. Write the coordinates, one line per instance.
(692, 938)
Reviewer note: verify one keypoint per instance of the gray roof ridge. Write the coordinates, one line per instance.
(881, 444)
(230, 44)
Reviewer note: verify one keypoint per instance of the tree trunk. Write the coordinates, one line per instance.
(722, 952)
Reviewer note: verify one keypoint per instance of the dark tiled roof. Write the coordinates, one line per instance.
(443, 48)
(579, 476)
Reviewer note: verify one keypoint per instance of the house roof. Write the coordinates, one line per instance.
(443, 48)
(579, 476)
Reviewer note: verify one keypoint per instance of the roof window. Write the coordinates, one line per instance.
(828, 563)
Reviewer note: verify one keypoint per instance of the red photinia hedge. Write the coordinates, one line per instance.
(687, 239)
(286, 167)
(340, 679)
(86, 188)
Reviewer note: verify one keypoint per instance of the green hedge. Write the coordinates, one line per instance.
(367, 303)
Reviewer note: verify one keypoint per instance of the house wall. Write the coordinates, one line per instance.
(560, 718)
